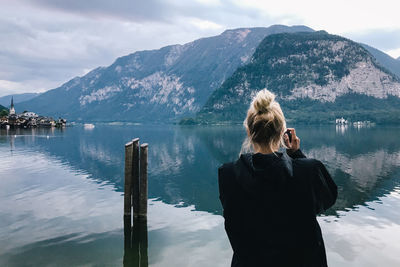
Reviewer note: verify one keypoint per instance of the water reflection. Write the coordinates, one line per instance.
(61, 195)
(341, 128)
(183, 160)
(135, 243)
(99, 249)
(54, 215)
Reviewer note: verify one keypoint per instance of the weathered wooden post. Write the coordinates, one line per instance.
(143, 182)
(135, 177)
(127, 232)
(136, 245)
(141, 226)
(136, 192)
(128, 180)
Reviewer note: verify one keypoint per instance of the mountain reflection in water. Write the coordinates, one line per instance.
(65, 170)
(183, 161)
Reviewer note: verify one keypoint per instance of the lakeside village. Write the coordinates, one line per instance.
(28, 120)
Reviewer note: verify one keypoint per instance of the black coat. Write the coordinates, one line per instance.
(270, 203)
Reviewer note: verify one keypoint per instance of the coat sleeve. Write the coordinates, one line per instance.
(296, 154)
(324, 188)
(225, 187)
(221, 186)
(228, 194)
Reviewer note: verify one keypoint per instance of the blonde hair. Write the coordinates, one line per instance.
(264, 122)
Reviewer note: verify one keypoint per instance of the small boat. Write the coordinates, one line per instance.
(88, 126)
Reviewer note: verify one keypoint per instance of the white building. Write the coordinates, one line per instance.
(341, 121)
(30, 114)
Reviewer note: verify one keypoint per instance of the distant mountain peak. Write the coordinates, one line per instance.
(385, 60)
(5, 100)
(155, 85)
(276, 28)
(161, 85)
(310, 68)
(238, 34)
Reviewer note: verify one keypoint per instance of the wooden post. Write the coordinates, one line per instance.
(143, 181)
(127, 232)
(136, 244)
(135, 180)
(143, 247)
(135, 238)
(128, 180)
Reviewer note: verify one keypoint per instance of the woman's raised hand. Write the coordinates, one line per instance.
(295, 144)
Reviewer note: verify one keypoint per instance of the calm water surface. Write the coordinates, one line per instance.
(61, 195)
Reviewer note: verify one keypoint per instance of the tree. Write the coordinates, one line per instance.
(3, 112)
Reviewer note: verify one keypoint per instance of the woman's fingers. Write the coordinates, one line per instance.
(293, 131)
(295, 144)
(286, 140)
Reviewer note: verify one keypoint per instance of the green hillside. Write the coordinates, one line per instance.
(317, 77)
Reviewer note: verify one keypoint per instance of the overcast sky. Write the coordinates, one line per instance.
(44, 43)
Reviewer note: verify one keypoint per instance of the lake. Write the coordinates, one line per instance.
(61, 195)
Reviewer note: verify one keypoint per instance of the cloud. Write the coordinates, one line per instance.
(333, 16)
(45, 43)
(133, 10)
(138, 11)
(205, 24)
(8, 86)
(382, 38)
(395, 53)
(38, 55)
(387, 40)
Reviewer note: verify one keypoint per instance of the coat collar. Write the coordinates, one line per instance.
(254, 171)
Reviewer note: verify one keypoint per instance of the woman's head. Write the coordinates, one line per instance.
(265, 122)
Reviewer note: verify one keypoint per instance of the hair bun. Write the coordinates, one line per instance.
(263, 100)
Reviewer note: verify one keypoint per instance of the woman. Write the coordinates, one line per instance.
(270, 199)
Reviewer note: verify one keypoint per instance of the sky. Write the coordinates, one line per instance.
(44, 43)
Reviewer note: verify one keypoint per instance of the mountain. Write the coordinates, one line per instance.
(385, 60)
(6, 100)
(2, 108)
(156, 85)
(316, 76)
(398, 58)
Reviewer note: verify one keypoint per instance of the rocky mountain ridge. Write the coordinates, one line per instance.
(308, 72)
(155, 85)
(385, 60)
(173, 82)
